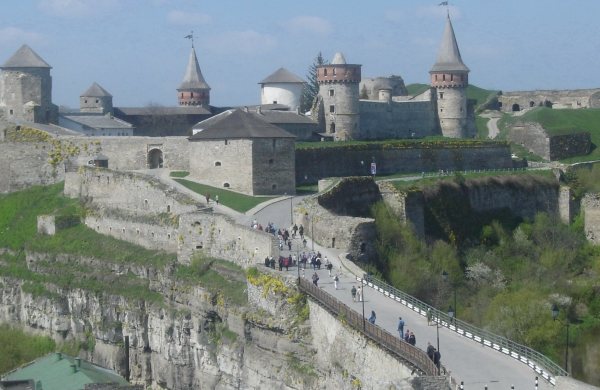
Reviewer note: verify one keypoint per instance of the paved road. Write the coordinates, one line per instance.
(492, 126)
(467, 360)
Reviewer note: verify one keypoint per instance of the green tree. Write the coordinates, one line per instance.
(363, 93)
(311, 89)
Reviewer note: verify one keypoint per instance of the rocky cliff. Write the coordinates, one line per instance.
(195, 338)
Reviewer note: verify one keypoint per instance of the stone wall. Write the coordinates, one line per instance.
(128, 192)
(273, 166)
(568, 205)
(536, 140)
(407, 119)
(313, 164)
(591, 209)
(410, 205)
(372, 86)
(50, 224)
(578, 98)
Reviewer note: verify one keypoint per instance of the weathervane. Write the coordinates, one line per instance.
(445, 3)
(191, 36)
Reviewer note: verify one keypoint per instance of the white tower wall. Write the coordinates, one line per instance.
(282, 93)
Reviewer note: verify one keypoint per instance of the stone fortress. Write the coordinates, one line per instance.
(441, 110)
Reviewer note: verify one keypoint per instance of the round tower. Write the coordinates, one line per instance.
(282, 87)
(193, 90)
(338, 87)
(449, 79)
(96, 99)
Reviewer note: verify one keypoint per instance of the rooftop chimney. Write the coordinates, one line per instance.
(73, 368)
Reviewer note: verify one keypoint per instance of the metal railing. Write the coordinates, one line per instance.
(408, 354)
(545, 367)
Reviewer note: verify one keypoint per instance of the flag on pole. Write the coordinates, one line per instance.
(444, 3)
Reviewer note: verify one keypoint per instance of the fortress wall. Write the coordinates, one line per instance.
(380, 120)
(273, 166)
(591, 208)
(234, 157)
(578, 98)
(131, 153)
(313, 164)
(532, 136)
(128, 192)
(570, 145)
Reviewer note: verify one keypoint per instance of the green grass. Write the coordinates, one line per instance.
(561, 122)
(233, 200)
(428, 181)
(179, 174)
(416, 89)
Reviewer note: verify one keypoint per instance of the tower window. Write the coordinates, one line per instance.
(192, 95)
(325, 72)
(182, 95)
(451, 77)
(225, 142)
(345, 71)
(332, 108)
(444, 77)
(11, 112)
(274, 143)
(441, 110)
(334, 72)
(332, 127)
(331, 92)
(85, 101)
(271, 161)
(218, 164)
(436, 77)
(441, 95)
(274, 187)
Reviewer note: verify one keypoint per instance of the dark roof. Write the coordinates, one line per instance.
(237, 124)
(95, 91)
(25, 58)
(449, 59)
(282, 75)
(98, 121)
(57, 374)
(276, 116)
(186, 110)
(193, 78)
(100, 157)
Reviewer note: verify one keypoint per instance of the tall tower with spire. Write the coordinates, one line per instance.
(193, 90)
(449, 80)
(339, 95)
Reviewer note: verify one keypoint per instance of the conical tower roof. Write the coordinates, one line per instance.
(449, 60)
(25, 58)
(95, 91)
(193, 76)
(338, 59)
(282, 75)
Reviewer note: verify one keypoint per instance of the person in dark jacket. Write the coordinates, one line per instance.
(412, 339)
(437, 356)
(373, 317)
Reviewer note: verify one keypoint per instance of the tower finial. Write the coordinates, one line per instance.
(445, 3)
(191, 37)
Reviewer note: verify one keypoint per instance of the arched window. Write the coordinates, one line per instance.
(334, 72)
(226, 185)
(325, 72)
(332, 127)
(218, 164)
(168, 208)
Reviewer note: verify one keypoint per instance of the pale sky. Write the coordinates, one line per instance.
(136, 51)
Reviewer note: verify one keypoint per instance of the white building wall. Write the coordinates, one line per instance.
(282, 93)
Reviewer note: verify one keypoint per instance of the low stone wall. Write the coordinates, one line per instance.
(127, 192)
(410, 205)
(536, 140)
(570, 145)
(50, 224)
(313, 164)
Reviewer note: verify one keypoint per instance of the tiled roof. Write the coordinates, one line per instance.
(95, 91)
(25, 58)
(276, 116)
(282, 75)
(187, 110)
(98, 121)
(58, 374)
(193, 78)
(237, 124)
(449, 59)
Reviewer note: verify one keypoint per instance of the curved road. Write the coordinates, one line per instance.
(467, 360)
(492, 126)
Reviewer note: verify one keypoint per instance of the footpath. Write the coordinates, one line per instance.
(477, 366)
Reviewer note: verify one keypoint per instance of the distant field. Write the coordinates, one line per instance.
(565, 121)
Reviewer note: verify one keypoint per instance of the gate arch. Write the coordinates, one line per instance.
(155, 158)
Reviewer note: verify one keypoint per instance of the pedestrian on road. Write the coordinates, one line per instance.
(412, 340)
(329, 267)
(437, 356)
(301, 231)
(401, 327)
(430, 351)
(207, 197)
(406, 335)
(373, 317)
(217, 199)
(286, 262)
(272, 260)
(290, 244)
(280, 263)
(315, 279)
(429, 315)
(304, 242)
(294, 231)
(359, 292)
(353, 291)
(335, 281)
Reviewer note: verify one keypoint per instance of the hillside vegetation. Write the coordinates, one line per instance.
(506, 272)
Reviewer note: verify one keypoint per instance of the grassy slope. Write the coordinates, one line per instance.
(233, 200)
(473, 92)
(559, 122)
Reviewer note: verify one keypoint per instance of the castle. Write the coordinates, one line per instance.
(441, 110)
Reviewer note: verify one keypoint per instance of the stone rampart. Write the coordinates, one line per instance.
(313, 164)
(410, 205)
(137, 208)
(570, 145)
(380, 119)
(51, 224)
(591, 209)
(128, 192)
(578, 98)
(536, 140)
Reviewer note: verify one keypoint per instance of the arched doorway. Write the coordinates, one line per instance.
(515, 107)
(155, 159)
